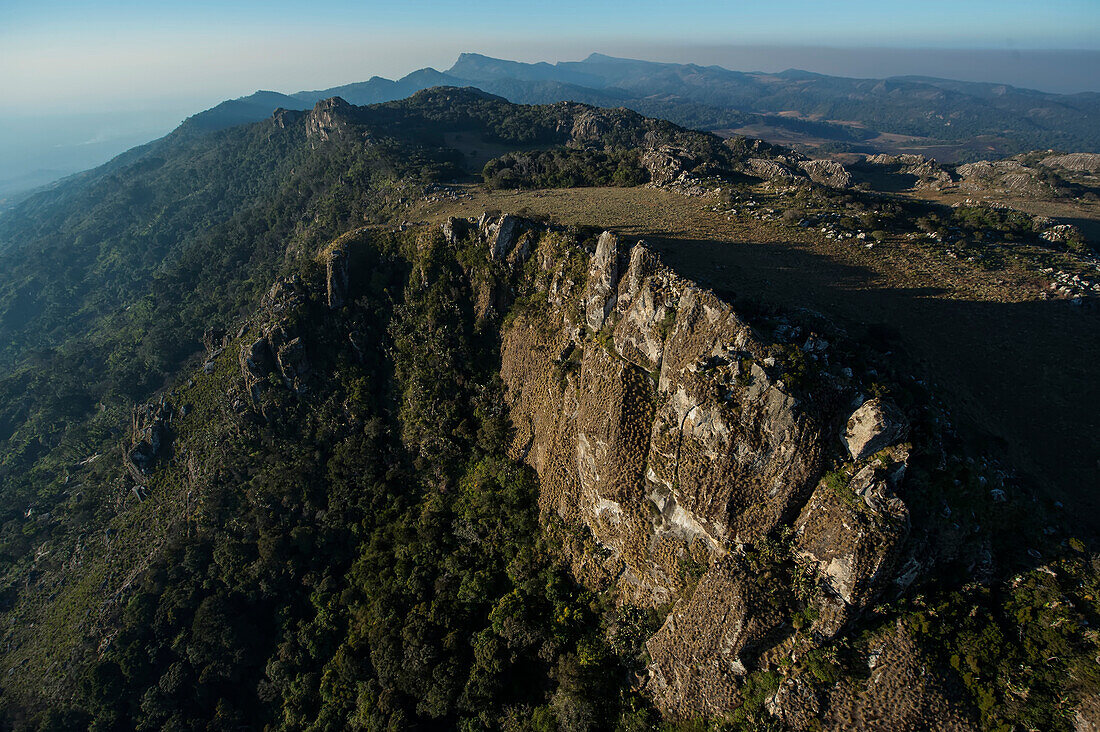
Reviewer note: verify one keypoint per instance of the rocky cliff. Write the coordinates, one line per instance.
(735, 480)
(658, 420)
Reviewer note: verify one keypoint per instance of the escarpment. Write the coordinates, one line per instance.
(668, 430)
(644, 405)
(658, 419)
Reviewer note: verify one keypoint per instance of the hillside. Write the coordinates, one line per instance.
(299, 431)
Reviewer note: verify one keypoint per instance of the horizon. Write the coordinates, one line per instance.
(1031, 68)
(37, 148)
(99, 55)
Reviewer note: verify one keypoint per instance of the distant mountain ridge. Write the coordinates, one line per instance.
(845, 112)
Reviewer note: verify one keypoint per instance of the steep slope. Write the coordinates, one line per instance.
(112, 281)
(320, 527)
(717, 517)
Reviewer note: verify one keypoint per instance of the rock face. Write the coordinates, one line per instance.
(704, 647)
(656, 419)
(888, 159)
(790, 168)
(342, 260)
(902, 692)
(827, 173)
(603, 275)
(502, 235)
(588, 126)
(928, 172)
(658, 430)
(1087, 716)
(1077, 162)
(853, 531)
(1010, 176)
(256, 362)
(280, 347)
(875, 425)
(327, 118)
(336, 275)
(456, 229)
(769, 169)
(148, 428)
(282, 118)
(667, 163)
(290, 355)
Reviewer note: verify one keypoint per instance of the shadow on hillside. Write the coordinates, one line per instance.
(883, 180)
(1019, 375)
(1090, 228)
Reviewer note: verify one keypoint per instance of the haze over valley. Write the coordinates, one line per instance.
(39, 145)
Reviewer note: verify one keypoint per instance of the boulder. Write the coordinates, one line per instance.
(853, 533)
(875, 425)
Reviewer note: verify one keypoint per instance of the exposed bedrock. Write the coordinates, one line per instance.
(660, 430)
(655, 417)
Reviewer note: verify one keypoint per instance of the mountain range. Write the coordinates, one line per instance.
(955, 120)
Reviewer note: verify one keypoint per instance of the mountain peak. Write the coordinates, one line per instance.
(476, 67)
(595, 56)
(332, 103)
(453, 94)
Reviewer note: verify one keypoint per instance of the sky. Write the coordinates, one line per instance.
(107, 72)
(88, 55)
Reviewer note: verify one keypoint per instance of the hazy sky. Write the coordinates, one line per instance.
(82, 80)
(88, 56)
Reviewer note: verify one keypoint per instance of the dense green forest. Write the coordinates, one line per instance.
(565, 168)
(108, 282)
